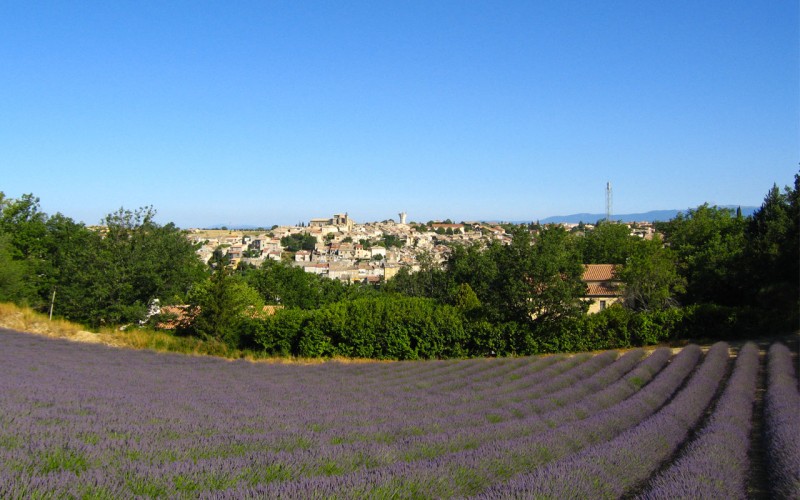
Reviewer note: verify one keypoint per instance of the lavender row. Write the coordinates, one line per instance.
(435, 411)
(348, 456)
(407, 402)
(97, 421)
(610, 468)
(466, 412)
(715, 464)
(451, 438)
(440, 378)
(453, 435)
(487, 370)
(782, 416)
(82, 403)
(497, 405)
(604, 386)
(469, 471)
(446, 390)
(194, 469)
(496, 388)
(448, 378)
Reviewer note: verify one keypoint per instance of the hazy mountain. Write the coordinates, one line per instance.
(652, 216)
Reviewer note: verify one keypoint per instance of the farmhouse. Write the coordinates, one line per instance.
(603, 287)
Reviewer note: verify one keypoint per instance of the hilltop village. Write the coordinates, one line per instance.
(339, 248)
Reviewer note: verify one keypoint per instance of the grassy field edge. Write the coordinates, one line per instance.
(25, 319)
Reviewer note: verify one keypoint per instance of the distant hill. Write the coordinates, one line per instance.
(652, 216)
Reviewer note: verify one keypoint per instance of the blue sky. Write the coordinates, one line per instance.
(276, 112)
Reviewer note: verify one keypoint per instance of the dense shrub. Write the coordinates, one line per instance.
(653, 327)
(278, 334)
(712, 321)
(385, 327)
(485, 338)
(401, 327)
(613, 328)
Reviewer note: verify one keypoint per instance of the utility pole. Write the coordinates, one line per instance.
(52, 303)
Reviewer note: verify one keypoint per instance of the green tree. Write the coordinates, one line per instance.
(221, 304)
(290, 286)
(391, 240)
(708, 242)
(73, 271)
(555, 279)
(465, 299)
(607, 243)
(299, 241)
(650, 277)
(773, 254)
(23, 223)
(533, 284)
(430, 281)
(478, 268)
(12, 273)
(139, 261)
(99, 277)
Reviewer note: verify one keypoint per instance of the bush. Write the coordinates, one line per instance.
(485, 339)
(278, 334)
(383, 327)
(402, 327)
(654, 327)
(613, 328)
(712, 321)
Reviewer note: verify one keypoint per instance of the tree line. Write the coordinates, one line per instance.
(708, 272)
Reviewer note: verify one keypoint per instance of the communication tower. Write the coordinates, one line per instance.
(608, 201)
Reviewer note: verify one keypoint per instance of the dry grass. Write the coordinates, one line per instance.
(27, 320)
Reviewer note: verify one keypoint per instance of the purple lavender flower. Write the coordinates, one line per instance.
(782, 415)
(612, 467)
(79, 420)
(715, 464)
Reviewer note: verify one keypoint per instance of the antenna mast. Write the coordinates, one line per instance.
(608, 201)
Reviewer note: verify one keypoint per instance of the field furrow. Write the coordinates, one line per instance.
(80, 420)
(782, 419)
(715, 464)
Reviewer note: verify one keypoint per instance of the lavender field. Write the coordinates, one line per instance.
(85, 420)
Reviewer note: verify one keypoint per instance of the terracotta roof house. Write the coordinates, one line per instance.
(603, 289)
(302, 256)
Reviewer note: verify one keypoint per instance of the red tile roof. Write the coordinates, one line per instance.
(603, 290)
(598, 272)
(600, 282)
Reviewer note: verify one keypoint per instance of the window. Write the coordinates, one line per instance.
(602, 304)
